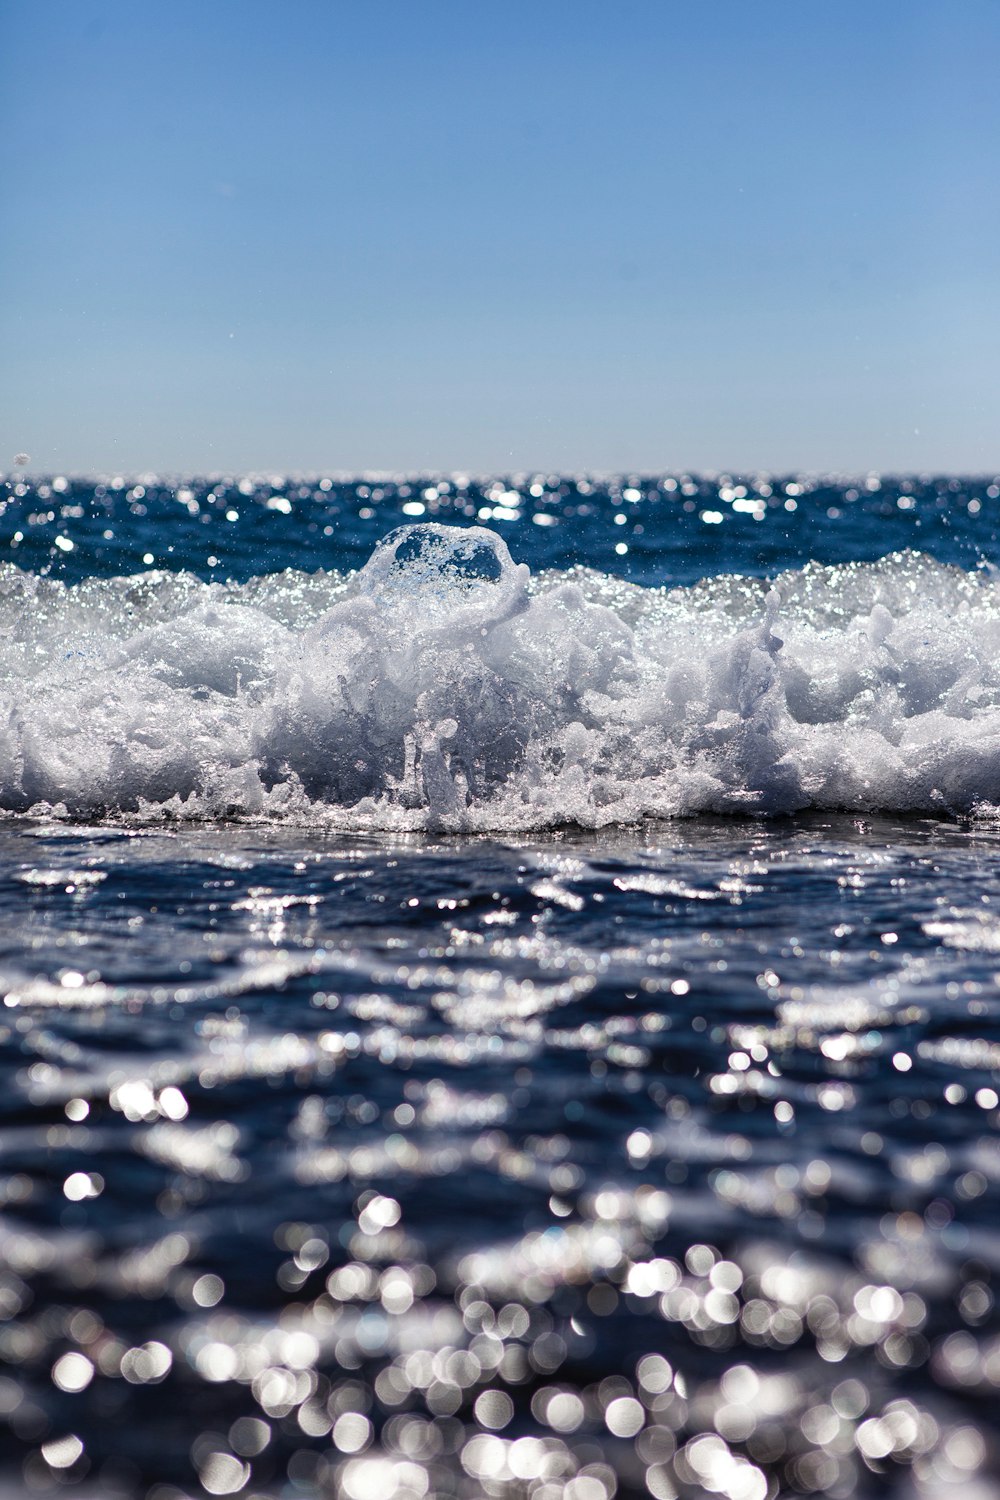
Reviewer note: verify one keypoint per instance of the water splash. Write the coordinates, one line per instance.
(443, 686)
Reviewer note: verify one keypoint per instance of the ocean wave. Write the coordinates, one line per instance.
(442, 686)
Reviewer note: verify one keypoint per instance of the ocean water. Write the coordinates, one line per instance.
(501, 988)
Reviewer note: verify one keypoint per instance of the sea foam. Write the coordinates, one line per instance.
(443, 686)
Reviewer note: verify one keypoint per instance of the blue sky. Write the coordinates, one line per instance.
(386, 234)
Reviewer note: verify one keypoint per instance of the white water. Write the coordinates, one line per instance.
(443, 687)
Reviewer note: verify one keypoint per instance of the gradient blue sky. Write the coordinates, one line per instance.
(443, 234)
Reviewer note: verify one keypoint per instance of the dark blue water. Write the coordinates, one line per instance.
(649, 529)
(351, 1151)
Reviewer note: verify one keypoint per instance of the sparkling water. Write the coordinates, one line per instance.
(500, 987)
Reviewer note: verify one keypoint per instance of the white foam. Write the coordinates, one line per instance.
(443, 687)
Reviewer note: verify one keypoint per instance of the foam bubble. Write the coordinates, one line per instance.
(444, 687)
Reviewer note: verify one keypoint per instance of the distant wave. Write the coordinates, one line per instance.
(444, 687)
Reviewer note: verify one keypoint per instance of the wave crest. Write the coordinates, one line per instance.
(444, 687)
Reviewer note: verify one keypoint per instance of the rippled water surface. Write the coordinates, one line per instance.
(391, 1107)
(665, 1160)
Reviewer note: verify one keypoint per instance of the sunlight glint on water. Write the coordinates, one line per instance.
(401, 1099)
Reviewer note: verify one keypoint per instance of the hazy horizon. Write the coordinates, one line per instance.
(473, 477)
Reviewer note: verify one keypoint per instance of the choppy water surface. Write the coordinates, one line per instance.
(412, 1086)
(664, 1161)
(450, 683)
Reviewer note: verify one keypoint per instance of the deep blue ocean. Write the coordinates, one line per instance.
(500, 988)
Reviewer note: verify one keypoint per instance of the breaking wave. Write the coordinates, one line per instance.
(443, 687)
